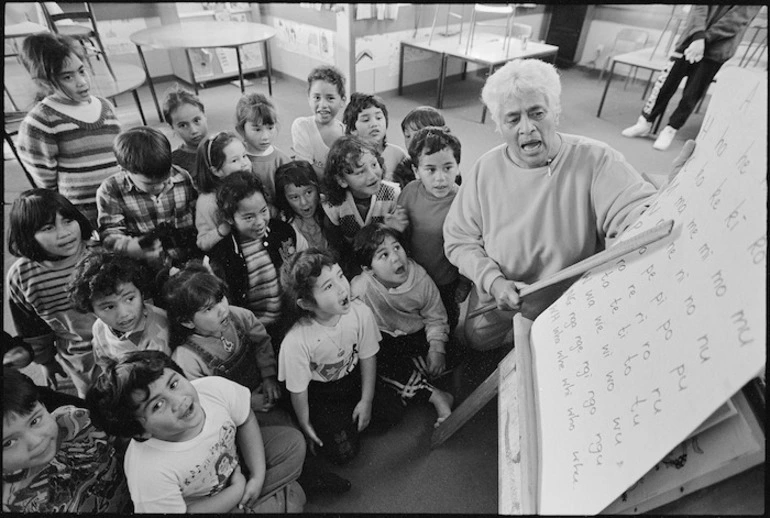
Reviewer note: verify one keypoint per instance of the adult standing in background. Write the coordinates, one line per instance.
(711, 37)
(536, 204)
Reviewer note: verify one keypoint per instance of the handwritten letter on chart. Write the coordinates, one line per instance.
(639, 352)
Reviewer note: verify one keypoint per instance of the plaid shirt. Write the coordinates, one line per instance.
(127, 212)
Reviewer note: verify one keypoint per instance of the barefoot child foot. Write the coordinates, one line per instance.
(443, 402)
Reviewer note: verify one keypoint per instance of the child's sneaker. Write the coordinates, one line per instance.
(642, 127)
(664, 139)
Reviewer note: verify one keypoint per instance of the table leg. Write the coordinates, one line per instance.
(149, 82)
(268, 67)
(441, 74)
(484, 106)
(606, 87)
(401, 67)
(240, 69)
(647, 85)
(465, 71)
(192, 71)
(139, 105)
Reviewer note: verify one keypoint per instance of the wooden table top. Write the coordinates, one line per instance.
(196, 35)
(19, 30)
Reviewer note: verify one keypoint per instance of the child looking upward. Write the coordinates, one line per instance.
(148, 191)
(313, 136)
(416, 119)
(328, 358)
(186, 115)
(56, 461)
(65, 141)
(355, 192)
(298, 200)
(187, 438)
(256, 121)
(218, 156)
(409, 313)
(250, 258)
(367, 117)
(49, 236)
(212, 338)
(110, 286)
(435, 157)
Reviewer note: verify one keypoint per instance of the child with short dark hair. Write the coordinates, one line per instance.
(212, 338)
(49, 236)
(328, 358)
(313, 136)
(366, 116)
(56, 461)
(250, 258)
(256, 120)
(65, 141)
(218, 156)
(185, 113)
(410, 315)
(298, 200)
(195, 445)
(416, 119)
(111, 287)
(435, 155)
(355, 191)
(148, 195)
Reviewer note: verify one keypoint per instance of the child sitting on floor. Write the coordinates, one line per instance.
(256, 120)
(356, 194)
(110, 286)
(212, 338)
(196, 445)
(218, 157)
(186, 115)
(367, 117)
(148, 201)
(313, 136)
(409, 313)
(435, 155)
(56, 461)
(250, 258)
(328, 359)
(416, 119)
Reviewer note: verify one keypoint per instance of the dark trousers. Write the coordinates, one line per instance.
(331, 414)
(699, 76)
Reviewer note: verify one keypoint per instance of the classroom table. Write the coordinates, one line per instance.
(199, 35)
(642, 58)
(487, 50)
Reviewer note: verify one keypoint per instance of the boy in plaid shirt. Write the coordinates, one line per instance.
(147, 210)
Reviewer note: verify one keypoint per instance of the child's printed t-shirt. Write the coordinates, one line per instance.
(164, 476)
(85, 476)
(311, 351)
(152, 336)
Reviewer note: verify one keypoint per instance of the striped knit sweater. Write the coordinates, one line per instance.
(69, 155)
(43, 314)
(347, 217)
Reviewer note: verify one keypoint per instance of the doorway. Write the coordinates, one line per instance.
(564, 30)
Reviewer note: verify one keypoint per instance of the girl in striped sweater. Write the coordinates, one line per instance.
(49, 236)
(65, 141)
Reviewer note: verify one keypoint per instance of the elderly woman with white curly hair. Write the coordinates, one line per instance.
(536, 204)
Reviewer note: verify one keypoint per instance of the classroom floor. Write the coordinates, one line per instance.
(397, 472)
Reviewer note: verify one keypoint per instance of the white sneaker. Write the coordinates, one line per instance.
(664, 139)
(642, 127)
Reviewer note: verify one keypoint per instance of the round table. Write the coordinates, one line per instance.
(199, 35)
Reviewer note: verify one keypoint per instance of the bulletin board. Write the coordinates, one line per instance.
(637, 354)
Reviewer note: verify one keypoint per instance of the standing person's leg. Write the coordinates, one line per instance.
(664, 88)
(694, 89)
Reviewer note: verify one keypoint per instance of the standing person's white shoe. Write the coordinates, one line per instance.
(641, 128)
(664, 139)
